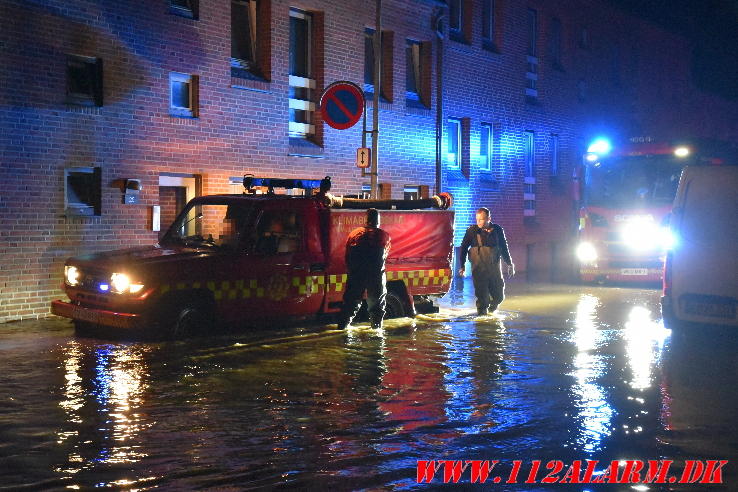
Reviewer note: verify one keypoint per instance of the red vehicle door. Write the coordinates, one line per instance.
(281, 274)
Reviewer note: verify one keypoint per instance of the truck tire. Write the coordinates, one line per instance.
(396, 306)
(188, 321)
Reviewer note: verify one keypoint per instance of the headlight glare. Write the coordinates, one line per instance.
(71, 275)
(120, 282)
(586, 252)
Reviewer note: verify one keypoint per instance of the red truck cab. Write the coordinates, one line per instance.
(253, 259)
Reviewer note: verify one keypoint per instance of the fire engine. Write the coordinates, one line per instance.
(626, 197)
(258, 259)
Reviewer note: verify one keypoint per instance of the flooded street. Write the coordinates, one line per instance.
(564, 373)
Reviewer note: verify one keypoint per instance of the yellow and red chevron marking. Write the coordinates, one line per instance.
(421, 277)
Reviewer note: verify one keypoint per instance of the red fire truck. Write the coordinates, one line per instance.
(256, 259)
(626, 197)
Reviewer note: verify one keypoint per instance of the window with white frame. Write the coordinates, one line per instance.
(453, 151)
(530, 153)
(302, 81)
(183, 95)
(486, 145)
(555, 155)
(243, 35)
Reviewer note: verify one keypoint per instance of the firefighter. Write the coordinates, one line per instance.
(486, 244)
(366, 252)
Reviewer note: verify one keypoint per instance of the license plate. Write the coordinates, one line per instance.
(88, 315)
(710, 309)
(634, 271)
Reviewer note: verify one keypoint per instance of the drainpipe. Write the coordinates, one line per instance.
(438, 25)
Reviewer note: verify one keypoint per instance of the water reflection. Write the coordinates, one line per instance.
(594, 411)
(103, 391)
(644, 345)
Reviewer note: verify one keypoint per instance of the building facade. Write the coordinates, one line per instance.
(113, 114)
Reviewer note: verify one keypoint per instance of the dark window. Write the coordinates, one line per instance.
(369, 60)
(243, 34)
(300, 41)
(415, 70)
(82, 191)
(488, 24)
(555, 155)
(84, 80)
(532, 32)
(185, 8)
(455, 15)
(183, 95)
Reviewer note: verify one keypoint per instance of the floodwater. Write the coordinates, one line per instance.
(563, 373)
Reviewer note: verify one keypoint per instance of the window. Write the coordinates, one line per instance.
(529, 189)
(411, 192)
(485, 147)
(416, 92)
(366, 191)
(531, 74)
(584, 38)
(82, 191)
(302, 81)
(183, 95)
(185, 8)
(529, 154)
(84, 81)
(453, 152)
(555, 155)
(243, 36)
(458, 21)
(488, 24)
(278, 231)
(532, 21)
(386, 72)
(368, 60)
(555, 47)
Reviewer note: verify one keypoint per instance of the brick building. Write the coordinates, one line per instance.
(187, 96)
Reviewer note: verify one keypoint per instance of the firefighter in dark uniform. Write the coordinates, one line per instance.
(366, 252)
(486, 244)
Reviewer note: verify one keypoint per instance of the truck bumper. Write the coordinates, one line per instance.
(127, 321)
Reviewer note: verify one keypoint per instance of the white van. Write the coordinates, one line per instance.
(701, 271)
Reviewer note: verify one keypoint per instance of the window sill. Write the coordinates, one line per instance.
(456, 176)
(251, 84)
(490, 46)
(182, 12)
(458, 37)
(489, 180)
(413, 106)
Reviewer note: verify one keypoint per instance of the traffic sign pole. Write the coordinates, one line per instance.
(377, 89)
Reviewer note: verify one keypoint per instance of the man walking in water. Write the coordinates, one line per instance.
(486, 244)
(366, 251)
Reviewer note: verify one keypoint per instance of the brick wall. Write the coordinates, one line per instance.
(243, 124)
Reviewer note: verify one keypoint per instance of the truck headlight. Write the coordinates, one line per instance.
(586, 252)
(121, 284)
(71, 275)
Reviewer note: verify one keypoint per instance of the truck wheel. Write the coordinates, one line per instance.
(188, 321)
(395, 306)
(83, 328)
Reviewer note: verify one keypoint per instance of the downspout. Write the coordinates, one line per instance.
(438, 26)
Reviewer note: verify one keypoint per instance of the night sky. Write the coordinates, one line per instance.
(712, 26)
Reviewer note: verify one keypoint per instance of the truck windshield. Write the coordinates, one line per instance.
(633, 182)
(211, 225)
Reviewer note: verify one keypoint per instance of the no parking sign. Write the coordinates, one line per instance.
(342, 105)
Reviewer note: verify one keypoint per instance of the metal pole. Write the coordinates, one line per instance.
(377, 89)
(439, 100)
